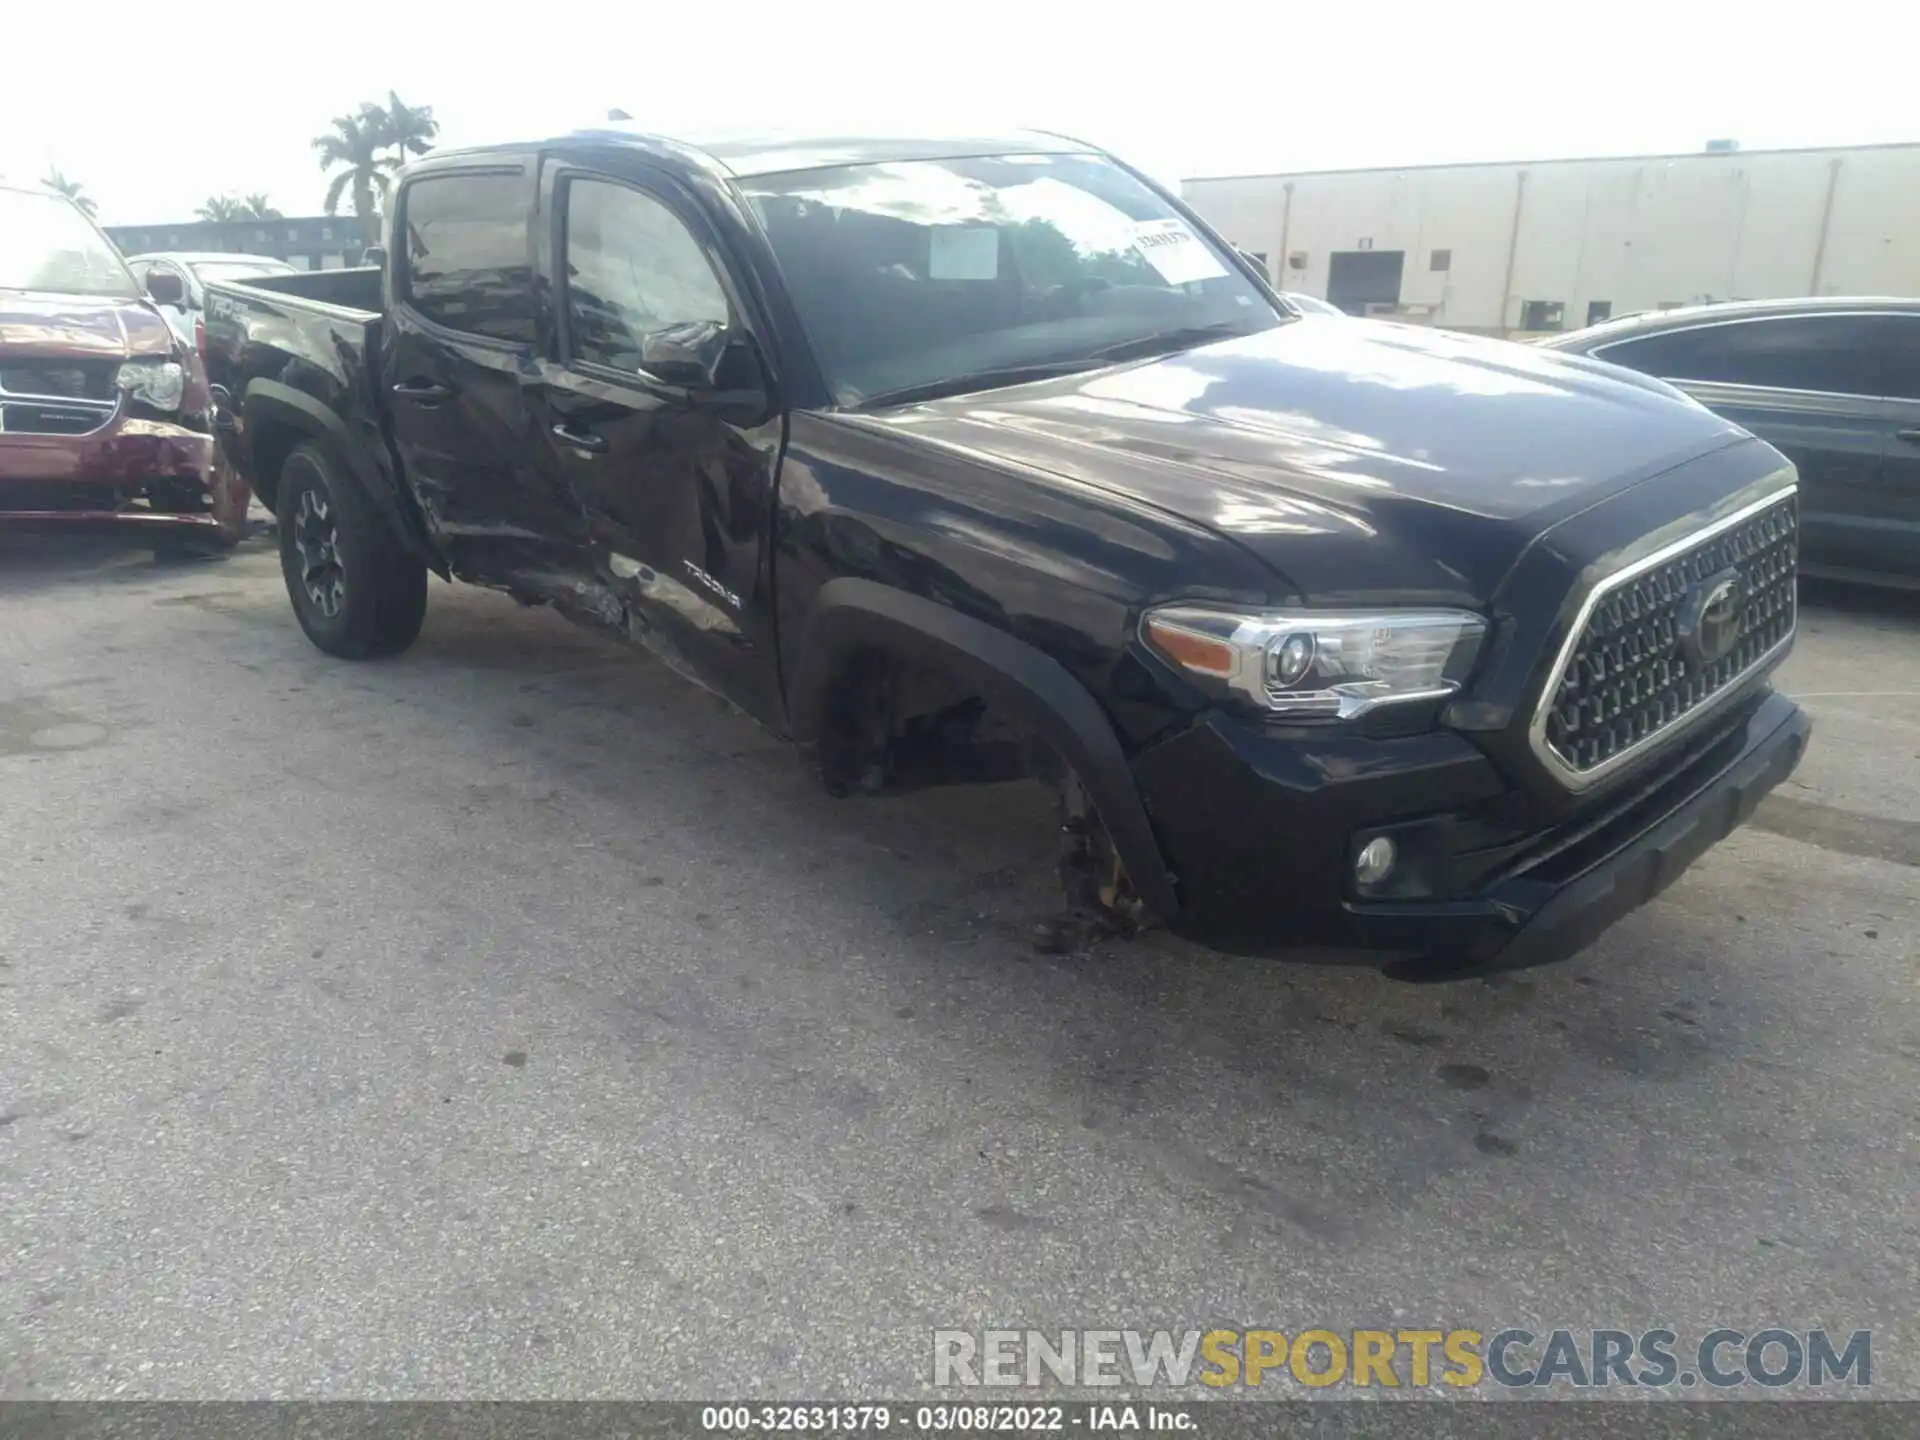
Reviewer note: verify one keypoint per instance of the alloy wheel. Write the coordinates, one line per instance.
(317, 542)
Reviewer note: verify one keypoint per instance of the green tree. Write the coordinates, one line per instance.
(221, 207)
(72, 189)
(351, 149)
(409, 129)
(255, 207)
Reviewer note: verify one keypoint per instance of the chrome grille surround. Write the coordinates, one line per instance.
(1621, 685)
(48, 397)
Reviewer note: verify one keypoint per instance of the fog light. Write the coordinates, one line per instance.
(1375, 861)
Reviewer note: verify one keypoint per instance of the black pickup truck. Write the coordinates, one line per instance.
(973, 460)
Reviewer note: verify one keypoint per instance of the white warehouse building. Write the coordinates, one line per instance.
(1553, 245)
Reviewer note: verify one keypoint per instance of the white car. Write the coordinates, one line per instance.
(194, 271)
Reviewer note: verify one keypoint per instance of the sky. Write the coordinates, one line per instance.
(156, 108)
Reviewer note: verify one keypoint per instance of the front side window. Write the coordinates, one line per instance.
(46, 244)
(468, 265)
(1826, 353)
(918, 275)
(632, 268)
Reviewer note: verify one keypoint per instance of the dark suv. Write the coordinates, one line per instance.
(105, 416)
(1834, 384)
(973, 459)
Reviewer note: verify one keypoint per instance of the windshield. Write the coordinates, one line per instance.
(205, 270)
(46, 244)
(913, 275)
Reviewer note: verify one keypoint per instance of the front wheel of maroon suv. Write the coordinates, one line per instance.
(356, 590)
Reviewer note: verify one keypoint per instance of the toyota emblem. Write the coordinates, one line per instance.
(1710, 619)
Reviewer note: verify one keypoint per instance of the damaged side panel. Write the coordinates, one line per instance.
(677, 509)
(673, 547)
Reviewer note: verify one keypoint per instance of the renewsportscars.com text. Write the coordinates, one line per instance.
(1769, 1357)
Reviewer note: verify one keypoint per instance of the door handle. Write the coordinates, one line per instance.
(422, 392)
(579, 439)
(1912, 437)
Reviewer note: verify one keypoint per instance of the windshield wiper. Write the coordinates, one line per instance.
(1168, 342)
(991, 379)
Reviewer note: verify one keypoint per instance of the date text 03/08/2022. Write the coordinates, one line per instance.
(943, 1419)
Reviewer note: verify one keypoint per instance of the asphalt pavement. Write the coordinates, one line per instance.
(510, 1019)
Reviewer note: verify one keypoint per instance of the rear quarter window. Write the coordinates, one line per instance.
(1833, 354)
(1902, 356)
(468, 253)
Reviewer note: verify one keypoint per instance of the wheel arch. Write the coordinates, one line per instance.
(279, 418)
(852, 617)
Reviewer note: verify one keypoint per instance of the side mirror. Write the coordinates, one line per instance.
(165, 287)
(710, 367)
(688, 355)
(374, 255)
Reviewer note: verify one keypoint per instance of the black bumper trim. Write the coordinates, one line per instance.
(1526, 921)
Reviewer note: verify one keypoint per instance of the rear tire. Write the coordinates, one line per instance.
(356, 590)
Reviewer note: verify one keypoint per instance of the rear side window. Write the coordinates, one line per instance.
(468, 265)
(1829, 353)
(1902, 355)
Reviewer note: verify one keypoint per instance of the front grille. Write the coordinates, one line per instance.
(17, 418)
(1640, 665)
(56, 397)
(60, 379)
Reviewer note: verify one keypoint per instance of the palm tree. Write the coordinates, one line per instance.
(72, 189)
(410, 129)
(222, 207)
(353, 146)
(255, 207)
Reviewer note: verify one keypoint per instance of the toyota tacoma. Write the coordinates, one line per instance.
(969, 460)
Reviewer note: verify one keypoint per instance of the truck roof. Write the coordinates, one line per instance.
(742, 155)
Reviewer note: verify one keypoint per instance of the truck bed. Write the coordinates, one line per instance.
(357, 289)
(306, 343)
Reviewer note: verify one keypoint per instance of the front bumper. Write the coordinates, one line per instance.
(133, 473)
(1260, 832)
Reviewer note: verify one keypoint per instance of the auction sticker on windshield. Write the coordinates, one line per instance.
(1176, 252)
(964, 252)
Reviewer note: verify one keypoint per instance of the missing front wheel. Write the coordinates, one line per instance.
(1100, 902)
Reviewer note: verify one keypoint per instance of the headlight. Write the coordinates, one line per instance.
(1308, 666)
(161, 384)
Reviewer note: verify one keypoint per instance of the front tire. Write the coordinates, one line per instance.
(356, 590)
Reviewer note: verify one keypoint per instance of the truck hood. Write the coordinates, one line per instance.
(1364, 461)
(73, 327)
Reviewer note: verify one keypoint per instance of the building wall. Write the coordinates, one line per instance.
(1632, 234)
(314, 242)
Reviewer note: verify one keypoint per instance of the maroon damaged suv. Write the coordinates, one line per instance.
(105, 418)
